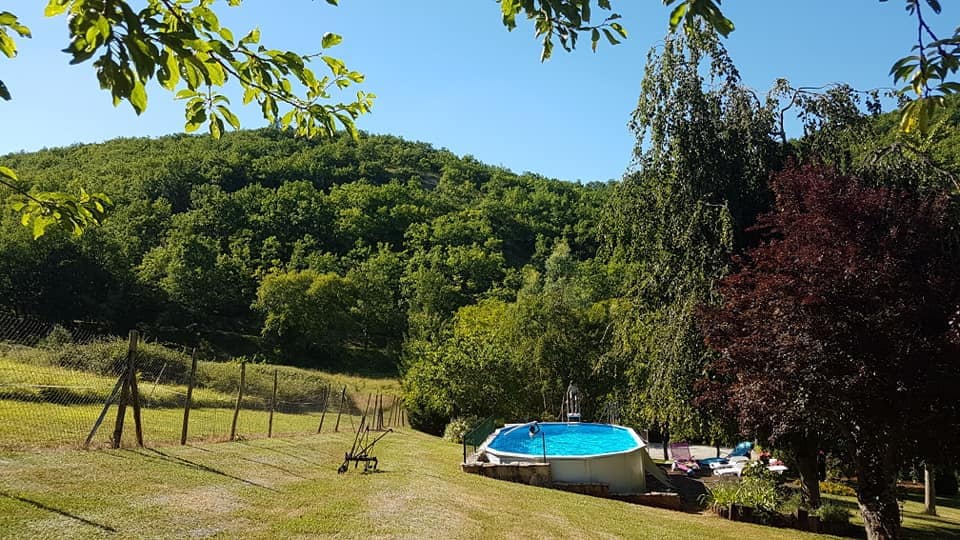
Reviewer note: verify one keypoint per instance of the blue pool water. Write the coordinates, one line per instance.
(564, 439)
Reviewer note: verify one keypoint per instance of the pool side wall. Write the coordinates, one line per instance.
(623, 471)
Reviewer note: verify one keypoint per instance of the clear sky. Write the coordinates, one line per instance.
(448, 73)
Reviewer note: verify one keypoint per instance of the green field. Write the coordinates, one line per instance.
(289, 488)
(272, 488)
(44, 406)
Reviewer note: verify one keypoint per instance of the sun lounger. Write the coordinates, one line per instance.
(742, 450)
(683, 460)
(736, 468)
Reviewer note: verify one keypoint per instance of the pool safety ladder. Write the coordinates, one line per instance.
(570, 409)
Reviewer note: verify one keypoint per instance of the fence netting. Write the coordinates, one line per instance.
(56, 382)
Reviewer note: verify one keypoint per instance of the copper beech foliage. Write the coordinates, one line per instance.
(842, 322)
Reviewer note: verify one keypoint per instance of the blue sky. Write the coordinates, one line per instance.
(447, 72)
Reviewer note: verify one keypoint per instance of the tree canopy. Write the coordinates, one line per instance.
(842, 322)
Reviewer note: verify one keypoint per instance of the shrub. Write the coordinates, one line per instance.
(106, 358)
(56, 338)
(791, 504)
(833, 513)
(759, 493)
(721, 495)
(836, 488)
(458, 427)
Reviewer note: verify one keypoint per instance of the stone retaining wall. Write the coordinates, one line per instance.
(534, 474)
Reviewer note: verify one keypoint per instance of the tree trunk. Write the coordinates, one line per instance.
(666, 440)
(929, 491)
(806, 455)
(877, 489)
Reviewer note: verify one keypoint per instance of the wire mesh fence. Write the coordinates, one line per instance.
(65, 389)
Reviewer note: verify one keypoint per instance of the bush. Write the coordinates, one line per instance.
(759, 493)
(107, 357)
(56, 338)
(458, 427)
(833, 513)
(756, 492)
(836, 488)
(721, 495)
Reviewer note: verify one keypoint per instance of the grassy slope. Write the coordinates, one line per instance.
(32, 422)
(946, 524)
(289, 488)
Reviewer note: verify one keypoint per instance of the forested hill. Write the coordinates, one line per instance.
(309, 251)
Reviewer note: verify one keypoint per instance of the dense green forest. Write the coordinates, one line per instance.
(321, 253)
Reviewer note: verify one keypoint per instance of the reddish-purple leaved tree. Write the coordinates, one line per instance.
(841, 323)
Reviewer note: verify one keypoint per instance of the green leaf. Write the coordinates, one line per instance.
(678, 14)
(54, 8)
(138, 97)
(8, 173)
(618, 28)
(330, 40)
(610, 38)
(252, 37)
(337, 67)
(229, 116)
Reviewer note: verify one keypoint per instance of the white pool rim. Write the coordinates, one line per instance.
(623, 471)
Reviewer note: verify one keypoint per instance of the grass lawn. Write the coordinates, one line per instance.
(946, 524)
(279, 488)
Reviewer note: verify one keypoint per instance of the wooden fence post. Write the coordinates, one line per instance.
(134, 389)
(393, 412)
(121, 410)
(343, 396)
(236, 408)
(186, 405)
(366, 410)
(380, 413)
(114, 394)
(273, 405)
(323, 410)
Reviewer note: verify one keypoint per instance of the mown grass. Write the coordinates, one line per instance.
(289, 488)
(946, 524)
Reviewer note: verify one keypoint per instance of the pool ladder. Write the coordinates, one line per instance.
(570, 409)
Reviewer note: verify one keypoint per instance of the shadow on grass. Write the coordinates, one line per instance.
(302, 445)
(41, 506)
(920, 526)
(947, 502)
(176, 460)
(265, 464)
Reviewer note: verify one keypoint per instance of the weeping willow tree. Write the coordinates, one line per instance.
(703, 154)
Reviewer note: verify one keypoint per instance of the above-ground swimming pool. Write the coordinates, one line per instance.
(577, 452)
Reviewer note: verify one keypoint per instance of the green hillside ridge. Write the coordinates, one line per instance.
(316, 253)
